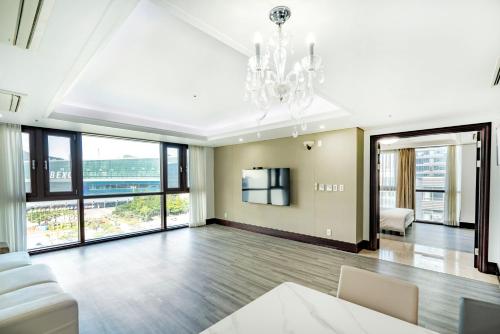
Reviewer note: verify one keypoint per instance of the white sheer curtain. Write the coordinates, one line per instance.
(452, 204)
(197, 185)
(388, 175)
(12, 191)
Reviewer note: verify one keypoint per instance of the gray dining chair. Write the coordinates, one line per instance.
(478, 317)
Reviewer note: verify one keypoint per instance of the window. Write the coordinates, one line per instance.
(431, 176)
(59, 161)
(388, 175)
(27, 161)
(52, 223)
(431, 168)
(173, 170)
(82, 187)
(107, 217)
(120, 166)
(177, 209)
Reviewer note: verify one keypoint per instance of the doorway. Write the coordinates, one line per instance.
(482, 137)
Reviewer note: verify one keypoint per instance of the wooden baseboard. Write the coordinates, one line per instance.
(336, 244)
(363, 244)
(467, 225)
(492, 269)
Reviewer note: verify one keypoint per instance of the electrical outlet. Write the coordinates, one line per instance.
(329, 232)
(225, 215)
(341, 187)
(335, 187)
(321, 187)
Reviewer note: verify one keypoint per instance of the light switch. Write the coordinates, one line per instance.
(321, 187)
(341, 187)
(329, 187)
(334, 187)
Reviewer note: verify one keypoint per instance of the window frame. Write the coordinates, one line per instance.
(72, 136)
(40, 180)
(32, 164)
(181, 171)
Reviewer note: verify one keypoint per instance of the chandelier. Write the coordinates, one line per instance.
(268, 82)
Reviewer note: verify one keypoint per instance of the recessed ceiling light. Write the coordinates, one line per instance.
(1, 115)
(241, 139)
(321, 126)
(195, 96)
(388, 141)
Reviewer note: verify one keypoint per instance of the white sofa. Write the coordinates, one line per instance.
(31, 300)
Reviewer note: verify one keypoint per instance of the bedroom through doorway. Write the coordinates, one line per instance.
(427, 189)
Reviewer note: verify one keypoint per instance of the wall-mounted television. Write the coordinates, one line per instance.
(266, 186)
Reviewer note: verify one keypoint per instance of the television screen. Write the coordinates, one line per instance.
(266, 186)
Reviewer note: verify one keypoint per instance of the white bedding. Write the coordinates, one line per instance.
(397, 219)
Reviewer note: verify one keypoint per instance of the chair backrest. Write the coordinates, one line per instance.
(478, 317)
(381, 293)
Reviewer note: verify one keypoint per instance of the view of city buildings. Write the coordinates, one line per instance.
(56, 222)
(430, 182)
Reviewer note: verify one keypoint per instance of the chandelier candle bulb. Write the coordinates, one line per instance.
(257, 40)
(311, 42)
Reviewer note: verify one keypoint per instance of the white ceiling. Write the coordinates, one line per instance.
(132, 67)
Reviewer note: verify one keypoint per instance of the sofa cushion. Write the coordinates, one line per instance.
(14, 260)
(55, 314)
(28, 294)
(14, 279)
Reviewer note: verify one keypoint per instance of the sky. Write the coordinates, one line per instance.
(102, 148)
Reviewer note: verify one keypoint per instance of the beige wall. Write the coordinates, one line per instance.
(338, 161)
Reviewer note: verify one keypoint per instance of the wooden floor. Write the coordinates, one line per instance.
(185, 280)
(438, 236)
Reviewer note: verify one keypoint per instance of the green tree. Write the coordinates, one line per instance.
(177, 205)
(142, 208)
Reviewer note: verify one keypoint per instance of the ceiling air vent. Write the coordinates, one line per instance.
(9, 101)
(18, 19)
(496, 78)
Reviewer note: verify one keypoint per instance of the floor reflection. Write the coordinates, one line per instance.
(426, 257)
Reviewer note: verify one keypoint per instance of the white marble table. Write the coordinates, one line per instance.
(292, 308)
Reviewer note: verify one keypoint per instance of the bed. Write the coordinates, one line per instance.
(396, 219)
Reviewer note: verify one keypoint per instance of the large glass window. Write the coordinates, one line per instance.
(119, 166)
(431, 163)
(52, 223)
(102, 186)
(59, 163)
(107, 217)
(177, 209)
(27, 161)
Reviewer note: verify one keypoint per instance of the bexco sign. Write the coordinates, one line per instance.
(60, 175)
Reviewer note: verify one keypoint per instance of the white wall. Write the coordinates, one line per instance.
(468, 182)
(494, 235)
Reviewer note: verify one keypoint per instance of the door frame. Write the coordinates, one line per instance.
(482, 187)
